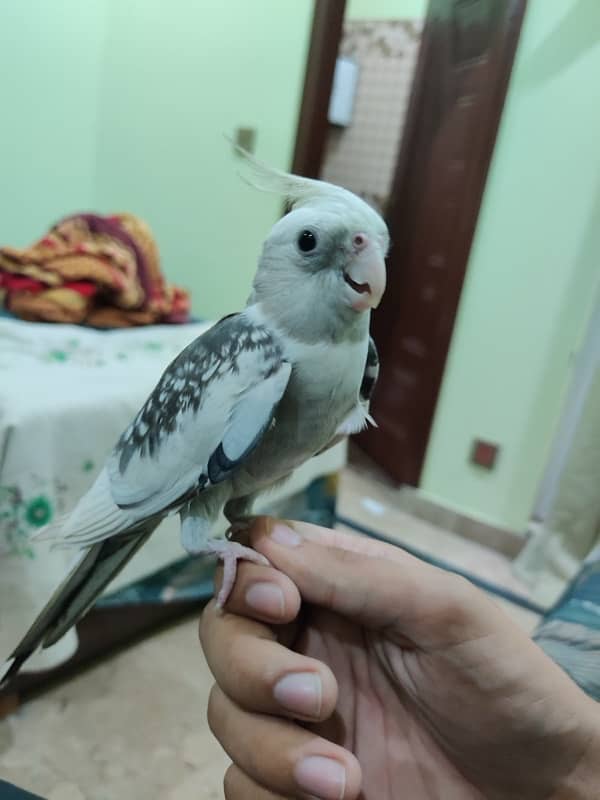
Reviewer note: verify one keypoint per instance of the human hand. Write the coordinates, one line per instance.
(394, 679)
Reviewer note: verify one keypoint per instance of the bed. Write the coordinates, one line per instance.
(66, 392)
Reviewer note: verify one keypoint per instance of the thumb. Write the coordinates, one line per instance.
(374, 584)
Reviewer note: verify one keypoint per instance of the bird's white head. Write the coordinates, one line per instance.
(328, 252)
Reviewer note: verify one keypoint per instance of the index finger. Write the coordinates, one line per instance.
(375, 584)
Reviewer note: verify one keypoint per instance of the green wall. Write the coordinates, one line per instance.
(532, 273)
(386, 9)
(50, 63)
(174, 83)
(115, 105)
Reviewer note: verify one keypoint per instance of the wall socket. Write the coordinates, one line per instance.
(485, 454)
(245, 138)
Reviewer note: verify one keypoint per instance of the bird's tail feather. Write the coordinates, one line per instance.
(94, 518)
(87, 579)
(51, 531)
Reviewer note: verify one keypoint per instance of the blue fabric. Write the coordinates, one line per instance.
(581, 602)
(570, 631)
(10, 792)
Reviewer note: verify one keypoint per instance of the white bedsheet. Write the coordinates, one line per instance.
(66, 393)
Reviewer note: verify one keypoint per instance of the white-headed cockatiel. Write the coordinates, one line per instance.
(243, 405)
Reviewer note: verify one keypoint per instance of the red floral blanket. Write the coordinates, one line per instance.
(93, 270)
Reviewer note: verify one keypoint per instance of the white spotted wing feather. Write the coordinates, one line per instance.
(214, 400)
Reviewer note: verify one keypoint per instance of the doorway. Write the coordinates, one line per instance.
(430, 194)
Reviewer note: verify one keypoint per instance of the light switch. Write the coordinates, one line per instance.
(343, 92)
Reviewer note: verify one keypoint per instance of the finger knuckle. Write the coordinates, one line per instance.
(205, 621)
(459, 600)
(462, 591)
(335, 584)
(239, 666)
(231, 783)
(233, 656)
(214, 714)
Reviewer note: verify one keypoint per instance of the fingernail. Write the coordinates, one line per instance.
(300, 692)
(285, 536)
(266, 598)
(322, 777)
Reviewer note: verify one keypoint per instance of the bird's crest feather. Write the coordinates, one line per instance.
(296, 190)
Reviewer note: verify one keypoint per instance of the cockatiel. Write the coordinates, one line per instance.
(243, 405)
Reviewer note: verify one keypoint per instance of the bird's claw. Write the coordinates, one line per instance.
(239, 526)
(230, 552)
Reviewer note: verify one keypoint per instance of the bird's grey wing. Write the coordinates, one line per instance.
(359, 417)
(371, 373)
(207, 413)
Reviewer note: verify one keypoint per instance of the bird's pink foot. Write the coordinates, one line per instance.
(230, 552)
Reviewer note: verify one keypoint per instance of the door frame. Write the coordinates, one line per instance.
(311, 136)
(587, 363)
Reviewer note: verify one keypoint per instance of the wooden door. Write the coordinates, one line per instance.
(464, 65)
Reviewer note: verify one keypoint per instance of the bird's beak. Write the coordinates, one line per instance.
(365, 274)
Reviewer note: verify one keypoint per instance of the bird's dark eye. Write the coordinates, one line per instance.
(307, 241)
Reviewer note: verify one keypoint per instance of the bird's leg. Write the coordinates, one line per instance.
(196, 540)
(237, 512)
(230, 552)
